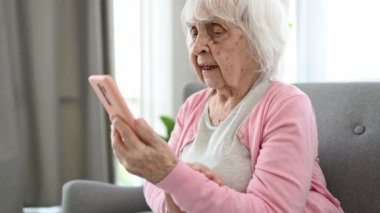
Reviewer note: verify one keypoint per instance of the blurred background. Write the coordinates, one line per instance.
(52, 127)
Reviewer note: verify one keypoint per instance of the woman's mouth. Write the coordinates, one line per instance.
(207, 67)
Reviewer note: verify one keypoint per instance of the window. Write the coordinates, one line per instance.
(353, 40)
(333, 41)
(128, 59)
(288, 66)
(144, 65)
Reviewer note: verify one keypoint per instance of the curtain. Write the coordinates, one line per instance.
(52, 127)
(10, 146)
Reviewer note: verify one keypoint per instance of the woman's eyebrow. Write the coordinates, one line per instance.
(208, 21)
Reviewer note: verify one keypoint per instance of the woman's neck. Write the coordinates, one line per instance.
(224, 100)
(231, 96)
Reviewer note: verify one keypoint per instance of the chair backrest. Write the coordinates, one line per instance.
(348, 120)
(191, 88)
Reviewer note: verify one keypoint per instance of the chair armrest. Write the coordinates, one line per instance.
(90, 196)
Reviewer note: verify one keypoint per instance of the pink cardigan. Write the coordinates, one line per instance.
(282, 137)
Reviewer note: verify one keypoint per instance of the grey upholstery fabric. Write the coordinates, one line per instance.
(348, 119)
(191, 88)
(95, 197)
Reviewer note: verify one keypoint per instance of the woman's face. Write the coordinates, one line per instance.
(221, 56)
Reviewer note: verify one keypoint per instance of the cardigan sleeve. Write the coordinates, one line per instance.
(154, 196)
(281, 174)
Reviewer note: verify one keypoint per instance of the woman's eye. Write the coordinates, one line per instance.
(216, 30)
(193, 32)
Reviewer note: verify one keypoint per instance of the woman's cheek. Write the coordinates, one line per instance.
(229, 71)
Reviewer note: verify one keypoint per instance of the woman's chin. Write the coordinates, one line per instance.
(210, 73)
(212, 84)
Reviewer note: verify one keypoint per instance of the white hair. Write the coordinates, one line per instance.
(263, 21)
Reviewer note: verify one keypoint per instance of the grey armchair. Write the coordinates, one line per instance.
(348, 119)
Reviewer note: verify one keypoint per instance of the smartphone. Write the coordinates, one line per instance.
(110, 97)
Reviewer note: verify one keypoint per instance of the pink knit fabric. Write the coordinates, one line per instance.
(282, 137)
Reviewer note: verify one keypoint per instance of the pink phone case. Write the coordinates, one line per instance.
(109, 95)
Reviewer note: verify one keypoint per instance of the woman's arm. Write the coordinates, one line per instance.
(171, 206)
(154, 196)
(282, 173)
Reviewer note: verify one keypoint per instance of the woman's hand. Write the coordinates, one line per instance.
(141, 151)
(206, 171)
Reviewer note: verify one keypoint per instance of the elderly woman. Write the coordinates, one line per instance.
(247, 143)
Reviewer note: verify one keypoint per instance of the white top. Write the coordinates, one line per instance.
(219, 148)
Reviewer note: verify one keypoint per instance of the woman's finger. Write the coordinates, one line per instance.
(118, 146)
(212, 176)
(115, 134)
(146, 133)
(128, 137)
(207, 172)
(217, 180)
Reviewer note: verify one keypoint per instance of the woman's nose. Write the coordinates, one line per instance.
(200, 45)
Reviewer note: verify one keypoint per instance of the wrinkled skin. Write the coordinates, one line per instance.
(141, 151)
(221, 57)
